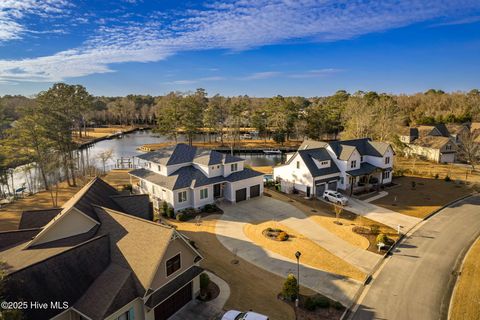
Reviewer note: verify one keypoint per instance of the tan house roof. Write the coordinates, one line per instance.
(475, 126)
(433, 142)
(455, 128)
(135, 243)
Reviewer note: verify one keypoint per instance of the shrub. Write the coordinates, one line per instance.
(337, 305)
(382, 237)
(310, 304)
(436, 176)
(375, 229)
(289, 290)
(210, 208)
(204, 281)
(171, 213)
(164, 208)
(282, 236)
(181, 216)
(447, 178)
(322, 302)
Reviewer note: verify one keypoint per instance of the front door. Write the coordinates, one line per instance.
(218, 190)
(308, 191)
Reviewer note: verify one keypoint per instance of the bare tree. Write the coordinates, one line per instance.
(469, 149)
(104, 157)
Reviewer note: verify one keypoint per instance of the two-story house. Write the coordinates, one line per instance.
(348, 165)
(98, 258)
(437, 143)
(186, 177)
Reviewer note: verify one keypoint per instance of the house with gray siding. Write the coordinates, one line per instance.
(187, 177)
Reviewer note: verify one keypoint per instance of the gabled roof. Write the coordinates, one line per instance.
(137, 205)
(135, 243)
(113, 289)
(212, 157)
(408, 131)
(37, 218)
(456, 128)
(365, 146)
(96, 192)
(190, 177)
(433, 142)
(312, 144)
(177, 154)
(320, 154)
(425, 130)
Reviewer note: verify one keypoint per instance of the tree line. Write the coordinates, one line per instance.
(42, 129)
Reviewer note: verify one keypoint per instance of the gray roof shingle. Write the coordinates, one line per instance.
(319, 155)
(365, 146)
(365, 168)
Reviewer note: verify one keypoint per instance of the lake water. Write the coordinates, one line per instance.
(127, 148)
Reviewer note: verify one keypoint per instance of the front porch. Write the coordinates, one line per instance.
(368, 178)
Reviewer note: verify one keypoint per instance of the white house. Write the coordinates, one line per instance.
(186, 177)
(349, 165)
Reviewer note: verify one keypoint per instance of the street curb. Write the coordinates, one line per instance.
(456, 281)
(348, 311)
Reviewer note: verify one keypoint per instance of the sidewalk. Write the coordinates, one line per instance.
(385, 216)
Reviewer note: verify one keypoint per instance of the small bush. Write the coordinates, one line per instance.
(204, 281)
(181, 217)
(289, 290)
(436, 176)
(210, 208)
(310, 304)
(171, 213)
(447, 178)
(382, 238)
(375, 229)
(164, 208)
(337, 305)
(322, 302)
(269, 229)
(282, 236)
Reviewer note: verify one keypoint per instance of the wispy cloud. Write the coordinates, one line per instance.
(262, 75)
(466, 20)
(227, 24)
(12, 13)
(193, 81)
(316, 73)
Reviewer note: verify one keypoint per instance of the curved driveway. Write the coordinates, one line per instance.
(417, 281)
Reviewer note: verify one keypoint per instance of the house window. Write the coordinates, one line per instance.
(386, 175)
(159, 168)
(341, 180)
(182, 196)
(218, 167)
(129, 315)
(143, 184)
(204, 193)
(153, 189)
(361, 158)
(234, 167)
(387, 160)
(298, 164)
(448, 147)
(173, 264)
(353, 163)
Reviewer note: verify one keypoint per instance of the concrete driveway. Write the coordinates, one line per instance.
(417, 281)
(230, 233)
(385, 216)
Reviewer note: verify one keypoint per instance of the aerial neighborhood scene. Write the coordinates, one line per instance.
(239, 160)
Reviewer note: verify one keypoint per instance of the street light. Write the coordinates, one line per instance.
(297, 255)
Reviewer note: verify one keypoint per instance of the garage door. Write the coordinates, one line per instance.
(241, 195)
(167, 308)
(255, 191)
(320, 189)
(332, 185)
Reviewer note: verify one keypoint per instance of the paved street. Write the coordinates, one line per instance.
(417, 281)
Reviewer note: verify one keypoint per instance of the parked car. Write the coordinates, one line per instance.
(237, 315)
(335, 197)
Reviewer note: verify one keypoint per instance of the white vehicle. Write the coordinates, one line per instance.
(237, 315)
(335, 197)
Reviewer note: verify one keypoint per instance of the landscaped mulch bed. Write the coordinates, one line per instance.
(372, 239)
(328, 313)
(210, 292)
(276, 234)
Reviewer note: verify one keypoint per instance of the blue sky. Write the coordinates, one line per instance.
(233, 47)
